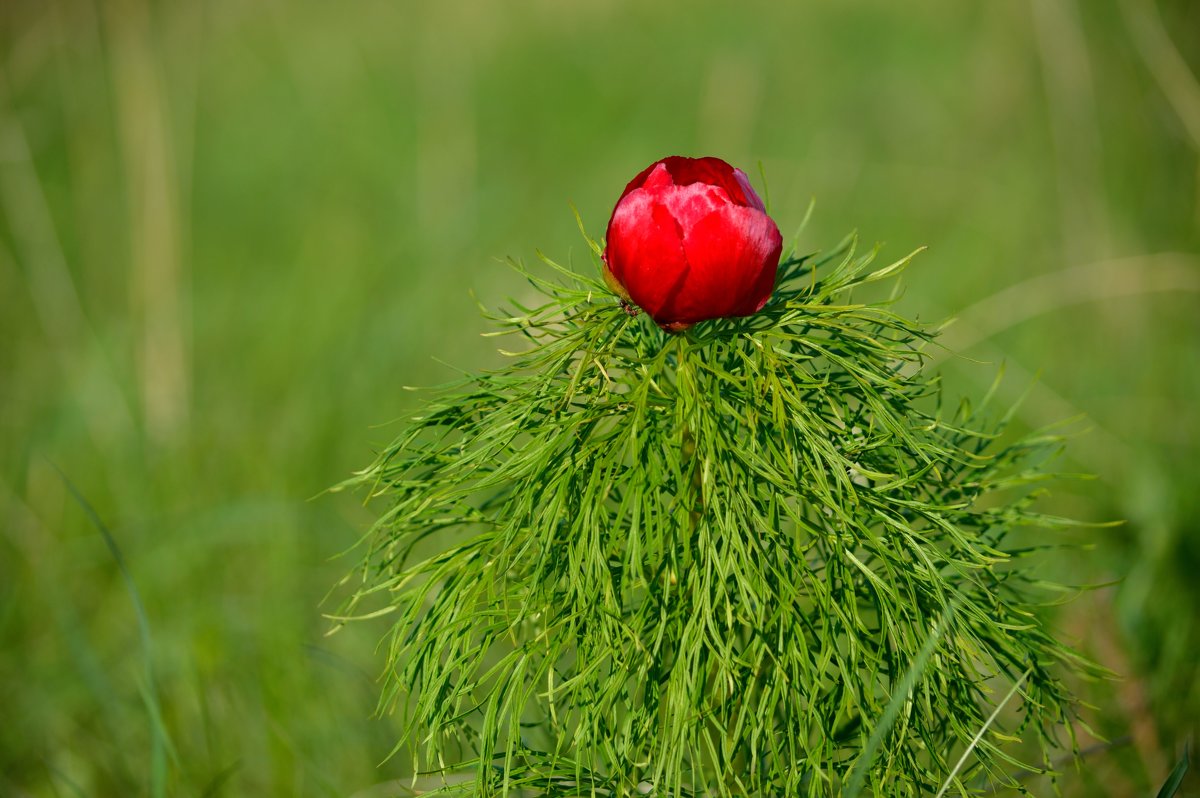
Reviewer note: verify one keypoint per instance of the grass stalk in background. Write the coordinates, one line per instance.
(161, 746)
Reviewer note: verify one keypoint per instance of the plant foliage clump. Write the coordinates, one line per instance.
(760, 558)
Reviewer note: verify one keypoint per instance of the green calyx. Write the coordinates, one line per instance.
(757, 558)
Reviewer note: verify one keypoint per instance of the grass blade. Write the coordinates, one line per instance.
(979, 736)
(160, 739)
(1171, 786)
(858, 775)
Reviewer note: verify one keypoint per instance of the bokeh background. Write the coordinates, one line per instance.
(232, 231)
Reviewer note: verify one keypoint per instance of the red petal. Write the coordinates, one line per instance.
(734, 254)
(689, 204)
(640, 179)
(752, 199)
(710, 171)
(645, 251)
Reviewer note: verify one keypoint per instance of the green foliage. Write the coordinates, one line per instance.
(1171, 787)
(743, 561)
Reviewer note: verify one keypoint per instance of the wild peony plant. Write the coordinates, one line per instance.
(756, 557)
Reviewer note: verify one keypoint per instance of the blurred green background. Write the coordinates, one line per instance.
(231, 231)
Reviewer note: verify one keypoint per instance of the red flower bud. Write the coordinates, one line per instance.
(689, 240)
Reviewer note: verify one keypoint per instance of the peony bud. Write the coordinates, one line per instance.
(689, 240)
